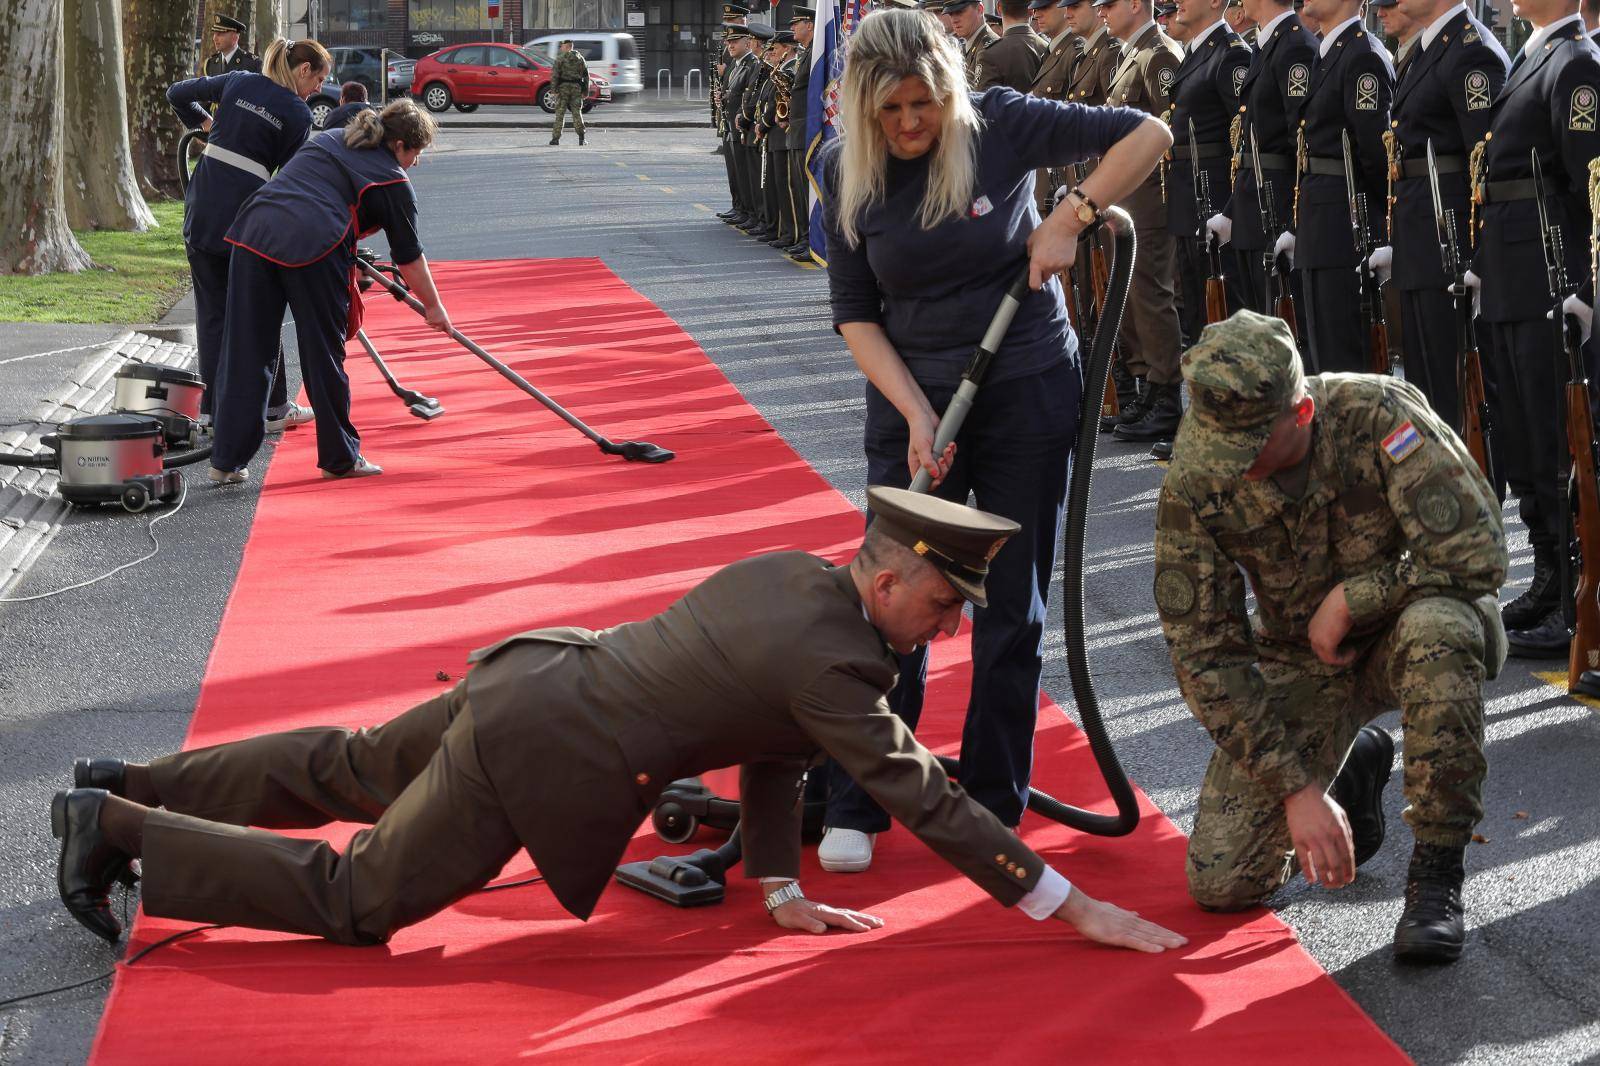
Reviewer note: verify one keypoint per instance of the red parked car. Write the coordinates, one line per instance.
(466, 75)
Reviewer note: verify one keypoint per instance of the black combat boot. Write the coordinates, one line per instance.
(1432, 927)
(1548, 639)
(1359, 788)
(580, 138)
(1161, 451)
(1160, 418)
(1130, 392)
(1538, 599)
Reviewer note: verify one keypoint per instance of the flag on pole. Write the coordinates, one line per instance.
(836, 21)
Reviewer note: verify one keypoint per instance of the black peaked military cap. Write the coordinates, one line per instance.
(226, 24)
(956, 540)
(731, 30)
(952, 6)
(1040, 5)
(803, 14)
(783, 37)
(993, 19)
(734, 11)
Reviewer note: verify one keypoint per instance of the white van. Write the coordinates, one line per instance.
(613, 56)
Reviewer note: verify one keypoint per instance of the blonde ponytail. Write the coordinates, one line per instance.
(365, 130)
(281, 58)
(401, 121)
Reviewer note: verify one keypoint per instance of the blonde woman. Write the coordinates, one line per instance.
(294, 247)
(929, 217)
(260, 121)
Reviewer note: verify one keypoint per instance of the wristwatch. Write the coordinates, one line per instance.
(1086, 209)
(788, 892)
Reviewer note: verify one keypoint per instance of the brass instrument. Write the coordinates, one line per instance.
(783, 93)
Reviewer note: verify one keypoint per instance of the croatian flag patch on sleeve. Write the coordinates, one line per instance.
(1402, 442)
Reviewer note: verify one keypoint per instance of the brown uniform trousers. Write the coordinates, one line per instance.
(437, 831)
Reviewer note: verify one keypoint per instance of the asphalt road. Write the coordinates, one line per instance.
(114, 669)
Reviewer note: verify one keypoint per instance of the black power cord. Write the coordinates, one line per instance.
(184, 934)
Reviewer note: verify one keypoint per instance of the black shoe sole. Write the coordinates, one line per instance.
(1427, 952)
(58, 829)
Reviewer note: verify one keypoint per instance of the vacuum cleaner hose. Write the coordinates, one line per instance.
(44, 460)
(186, 458)
(188, 138)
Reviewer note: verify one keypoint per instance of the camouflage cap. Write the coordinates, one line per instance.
(1243, 373)
(957, 540)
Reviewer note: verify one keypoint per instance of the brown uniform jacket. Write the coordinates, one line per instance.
(1091, 75)
(1056, 70)
(972, 54)
(1012, 60)
(767, 665)
(1144, 80)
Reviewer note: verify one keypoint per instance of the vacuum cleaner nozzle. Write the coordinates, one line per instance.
(426, 412)
(684, 881)
(638, 451)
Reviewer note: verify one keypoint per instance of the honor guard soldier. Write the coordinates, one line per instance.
(1205, 99)
(1398, 25)
(1375, 551)
(1352, 82)
(1550, 105)
(1150, 336)
(802, 23)
(560, 740)
(732, 14)
(1240, 21)
(1090, 78)
(741, 83)
(772, 123)
(1014, 59)
(1443, 99)
(228, 56)
(968, 25)
(1054, 19)
(1270, 101)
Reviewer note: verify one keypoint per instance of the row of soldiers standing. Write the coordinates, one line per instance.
(758, 108)
(1300, 173)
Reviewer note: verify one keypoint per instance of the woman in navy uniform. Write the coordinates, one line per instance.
(294, 247)
(261, 121)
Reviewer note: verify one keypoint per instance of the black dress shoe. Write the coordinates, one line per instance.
(108, 774)
(1549, 639)
(88, 864)
(1433, 926)
(1161, 450)
(1359, 788)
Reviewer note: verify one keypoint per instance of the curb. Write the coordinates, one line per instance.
(674, 124)
(30, 511)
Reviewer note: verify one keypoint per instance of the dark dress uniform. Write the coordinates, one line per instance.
(258, 127)
(1205, 98)
(740, 81)
(1013, 60)
(799, 187)
(1442, 98)
(294, 247)
(1549, 105)
(766, 120)
(559, 741)
(1151, 335)
(1274, 91)
(216, 65)
(749, 139)
(1352, 83)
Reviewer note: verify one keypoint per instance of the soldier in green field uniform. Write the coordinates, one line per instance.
(571, 77)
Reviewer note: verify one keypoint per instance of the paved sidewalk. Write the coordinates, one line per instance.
(641, 111)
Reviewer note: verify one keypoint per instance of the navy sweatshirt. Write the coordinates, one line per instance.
(934, 291)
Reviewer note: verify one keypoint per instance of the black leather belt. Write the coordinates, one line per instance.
(1499, 192)
(1269, 161)
(1322, 164)
(1212, 150)
(1448, 164)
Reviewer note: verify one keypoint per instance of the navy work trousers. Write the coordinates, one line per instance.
(1011, 457)
(210, 274)
(258, 292)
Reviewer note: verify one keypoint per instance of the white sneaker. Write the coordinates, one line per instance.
(226, 477)
(846, 851)
(362, 468)
(292, 416)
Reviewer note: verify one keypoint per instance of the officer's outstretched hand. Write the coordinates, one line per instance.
(809, 916)
(1321, 836)
(1107, 923)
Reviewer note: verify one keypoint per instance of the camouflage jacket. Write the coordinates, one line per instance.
(1393, 506)
(570, 69)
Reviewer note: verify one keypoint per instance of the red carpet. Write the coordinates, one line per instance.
(497, 517)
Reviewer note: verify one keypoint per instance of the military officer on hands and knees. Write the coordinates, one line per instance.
(1352, 80)
(558, 741)
(1550, 105)
(1150, 337)
(227, 55)
(1444, 100)
(1374, 548)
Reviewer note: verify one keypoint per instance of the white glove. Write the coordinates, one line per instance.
(1475, 286)
(1580, 311)
(1284, 247)
(1381, 263)
(1221, 227)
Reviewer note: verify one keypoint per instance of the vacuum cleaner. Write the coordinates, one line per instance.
(168, 394)
(699, 879)
(112, 458)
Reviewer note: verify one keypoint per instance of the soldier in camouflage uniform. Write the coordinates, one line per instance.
(1375, 550)
(571, 77)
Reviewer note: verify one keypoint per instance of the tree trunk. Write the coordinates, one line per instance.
(268, 23)
(34, 238)
(100, 188)
(160, 36)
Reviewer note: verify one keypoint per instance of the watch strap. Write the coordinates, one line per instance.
(786, 894)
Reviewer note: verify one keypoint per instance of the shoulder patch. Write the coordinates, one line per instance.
(1367, 92)
(1402, 442)
(1438, 508)
(1175, 592)
(1239, 74)
(1477, 86)
(1582, 119)
(1165, 76)
(1299, 79)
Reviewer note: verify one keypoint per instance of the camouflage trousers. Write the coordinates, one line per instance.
(569, 98)
(1430, 661)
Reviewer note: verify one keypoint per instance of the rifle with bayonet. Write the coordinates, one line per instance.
(1477, 428)
(1099, 284)
(1282, 290)
(1583, 611)
(1082, 316)
(1216, 293)
(1372, 314)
